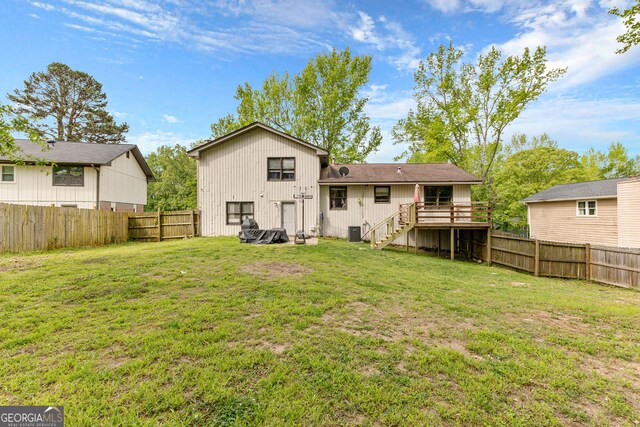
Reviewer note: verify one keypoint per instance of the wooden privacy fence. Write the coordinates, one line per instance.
(610, 265)
(158, 226)
(33, 228)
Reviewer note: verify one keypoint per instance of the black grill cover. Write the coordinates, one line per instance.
(261, 237)
(249, 224)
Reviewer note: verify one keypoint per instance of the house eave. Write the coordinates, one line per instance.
(569, 199)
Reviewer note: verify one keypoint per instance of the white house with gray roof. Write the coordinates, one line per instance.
(82, 175)
(258, 171)
(604, 212)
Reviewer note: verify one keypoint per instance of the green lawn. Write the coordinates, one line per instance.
(212, 332)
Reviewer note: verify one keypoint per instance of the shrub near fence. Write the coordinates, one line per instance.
(157, 226)
(610, 265)
(36, 228)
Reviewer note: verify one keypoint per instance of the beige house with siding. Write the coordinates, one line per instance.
(256, 171)
(604, 212)
(82, 175)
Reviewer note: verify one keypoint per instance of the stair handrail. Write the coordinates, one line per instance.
(409, 208)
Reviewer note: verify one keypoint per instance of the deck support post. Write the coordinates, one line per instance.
(453, 244)
(415, 240)
(489, 246)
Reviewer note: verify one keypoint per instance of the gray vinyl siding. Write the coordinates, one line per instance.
(236, 171)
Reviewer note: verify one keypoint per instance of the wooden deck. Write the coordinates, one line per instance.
(474, 215)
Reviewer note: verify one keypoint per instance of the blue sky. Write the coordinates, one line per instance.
(171, 67)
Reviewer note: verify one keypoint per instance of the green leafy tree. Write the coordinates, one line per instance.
(11, 124)
(322, 104)
(67, 105)
(530, 167)
(176, 180)
(463, 109)
(630, 19)
(614, 163)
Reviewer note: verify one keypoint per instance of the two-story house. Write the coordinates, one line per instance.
(91, 176)
(256, 171)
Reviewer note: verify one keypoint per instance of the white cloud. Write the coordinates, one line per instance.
(388, 37)
(578, 35)
(273, 26)
(149, 142)
(118, 114)
(578, 124)
(170, 119)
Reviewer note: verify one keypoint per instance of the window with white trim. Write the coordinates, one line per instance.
(8, 174)
(237, 211)
(587, 208)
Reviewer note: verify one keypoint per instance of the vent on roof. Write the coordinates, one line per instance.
(343, 171)
(51, 142)
(399, 170)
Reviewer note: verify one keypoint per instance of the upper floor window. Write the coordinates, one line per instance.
(72, 176)
(587, 208)
(8, 174)
(281, 168)
(438, 195)
(338, 197)
(382, 194)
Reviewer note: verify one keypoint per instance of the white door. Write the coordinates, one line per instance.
(289, 217)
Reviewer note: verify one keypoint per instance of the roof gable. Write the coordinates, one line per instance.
(366, 173)
(80, 153)
(195, 152)
(606, 188)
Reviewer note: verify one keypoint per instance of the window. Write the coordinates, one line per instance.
(382, 194)
(237, 211)
(441, 195)
(587, 208)
(8, 174)
(281, 168)
(68, 175)
(338, 197)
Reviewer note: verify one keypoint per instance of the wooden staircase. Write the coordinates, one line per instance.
(394, 226)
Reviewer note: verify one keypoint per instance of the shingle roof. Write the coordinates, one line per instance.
(579, 190)
(397, 173)
(79, 153)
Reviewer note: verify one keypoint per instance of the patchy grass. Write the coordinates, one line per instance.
(211, 332)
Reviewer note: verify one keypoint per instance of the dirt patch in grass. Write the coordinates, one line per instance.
(520, 284)
(19, 264)
(556, 321)
(275, 269)
(112, 357)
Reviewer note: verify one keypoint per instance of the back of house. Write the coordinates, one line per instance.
(259, 172)
(604, 212)
(73, 174)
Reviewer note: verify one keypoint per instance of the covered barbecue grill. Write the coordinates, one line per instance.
(251, 233)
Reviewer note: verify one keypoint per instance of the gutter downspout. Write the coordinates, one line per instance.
(97, 169)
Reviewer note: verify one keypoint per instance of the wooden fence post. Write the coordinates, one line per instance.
(159, 225)
(489, 246)
(536, 259)
(193, 224)
(587, 261)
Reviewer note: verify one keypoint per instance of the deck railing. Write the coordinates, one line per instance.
(455, 213)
